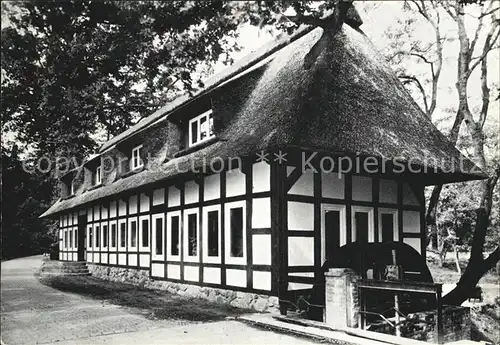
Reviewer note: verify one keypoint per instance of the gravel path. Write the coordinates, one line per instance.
(33, 313)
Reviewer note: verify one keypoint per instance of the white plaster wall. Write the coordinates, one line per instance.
(211, 275)
(409, 198)
(300, 251)
(144, 260)
(300, 216)
(174, 196)
(112, 259)
(362, 188)
(261, 249)
(235, 183)
(158, 270)
(132, 204)
(122, 208)
(261, 213)
(304, 185)
(414, 242)
(333, 185)
(174, 271)
(236, 277)
(112, 209)
(104, 212)
(132, 259)
(261, 280)
(144, 203)
(261, 175)
(158, 196)
(122, 259)
(211, 187)
(104, 258)
(192, 273)
(411, 221)
(97, 216)
(89, 214)
(191, 192)
(388, 191)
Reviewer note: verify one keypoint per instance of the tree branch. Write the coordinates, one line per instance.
(413, 79)
(487, 48)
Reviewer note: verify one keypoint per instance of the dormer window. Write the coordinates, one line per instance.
(201, 128)
(135, 160)
(97, 176)
(72, 187)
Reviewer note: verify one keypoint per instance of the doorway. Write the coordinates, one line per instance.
(333, 230)
(82, 226)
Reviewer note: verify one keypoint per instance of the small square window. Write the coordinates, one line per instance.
(201, 128)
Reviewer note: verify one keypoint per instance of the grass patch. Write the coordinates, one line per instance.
(151, 303)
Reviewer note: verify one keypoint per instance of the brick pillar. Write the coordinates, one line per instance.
(341, 299)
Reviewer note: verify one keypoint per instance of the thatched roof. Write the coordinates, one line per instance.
(333, 94)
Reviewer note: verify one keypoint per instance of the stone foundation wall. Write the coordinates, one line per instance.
(140, 277)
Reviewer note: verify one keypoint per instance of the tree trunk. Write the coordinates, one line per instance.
(457, 259)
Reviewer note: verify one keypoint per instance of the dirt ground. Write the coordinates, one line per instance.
(34, 313)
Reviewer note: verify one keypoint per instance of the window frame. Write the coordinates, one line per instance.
(227, 233)
(104, 247)
(185, 239)
(140, 227)
(208, 115)
(110, 227)
(130, 247)
(170, 256)
(394, 212)
(140, 163)
(206, 258)
(98, 176)
(154, 218)
(90, 237)
(72, 187)
(120, 238)
(343, 226)
(371, 227)
(97, 235)
(75, 237)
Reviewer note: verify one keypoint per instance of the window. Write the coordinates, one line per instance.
(97, 236)
(65, 243)
(133, 233)
(213, 233)
(90, 231)
(333, 230)
(201, 128)
(144, 232)
(70, 244)
(235, 232)
(75, 245)
(157, 224)
(136, 161)
(105, 235)
(113, 235)
(388, 225)
(173, 235)
(362, 224)
(191, 235)
(97, 176)
(236, 239)
(123, 234)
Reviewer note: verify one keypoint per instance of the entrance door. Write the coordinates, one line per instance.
(82, 231)
(333, 230)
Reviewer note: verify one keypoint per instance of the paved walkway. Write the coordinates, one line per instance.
(33, 313)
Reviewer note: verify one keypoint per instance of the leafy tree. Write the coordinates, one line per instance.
(70, 68)
(465, 222)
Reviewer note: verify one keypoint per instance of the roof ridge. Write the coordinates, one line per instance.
(226, 74)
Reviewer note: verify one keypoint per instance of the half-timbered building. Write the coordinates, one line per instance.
(255, 181)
